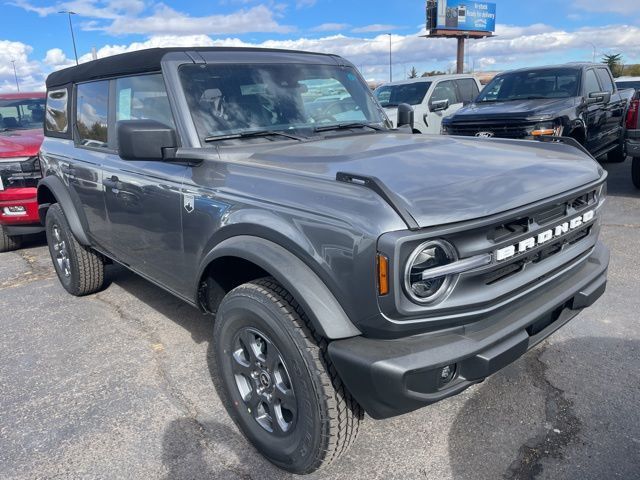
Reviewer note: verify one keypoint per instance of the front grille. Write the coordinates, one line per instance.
(499, 130)
(536, 257)
(541, 218)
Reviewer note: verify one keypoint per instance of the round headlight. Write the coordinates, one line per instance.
(432, 254)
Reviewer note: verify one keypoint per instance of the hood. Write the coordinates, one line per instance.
(514, 109)
(441, 179)
(20, 143)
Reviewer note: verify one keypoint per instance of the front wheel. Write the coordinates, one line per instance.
(278, 383)
(635, 171)
(7, 242)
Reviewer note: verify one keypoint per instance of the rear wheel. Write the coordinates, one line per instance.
(635, 171)
(80, 269)
(278, 383)
(7, 242)
(618, 155)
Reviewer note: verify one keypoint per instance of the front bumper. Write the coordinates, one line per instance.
(24, 223)
(633, 143)
(391, 377)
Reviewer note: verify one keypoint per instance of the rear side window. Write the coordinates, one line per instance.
(445, 91)
(56, 111)
(591, 82)
(92, 107)
(605, 80)
(143, 97)
(468, 89)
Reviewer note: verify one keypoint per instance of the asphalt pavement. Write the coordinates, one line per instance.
(120, 385)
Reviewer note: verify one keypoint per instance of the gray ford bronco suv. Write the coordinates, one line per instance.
(350, 267)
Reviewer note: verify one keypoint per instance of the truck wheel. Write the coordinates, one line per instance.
(635, 171)
(8, 243)
(618, 155)
(278, 383)
(80, 269)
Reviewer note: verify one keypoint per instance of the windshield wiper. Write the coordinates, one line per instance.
(346, 126)
(258, 133)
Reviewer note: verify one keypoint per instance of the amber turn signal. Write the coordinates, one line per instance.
(383, 274)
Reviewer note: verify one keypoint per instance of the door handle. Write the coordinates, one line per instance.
(113, 183)
(66, 168)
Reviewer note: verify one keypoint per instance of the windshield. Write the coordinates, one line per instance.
(23, 113)
(544, 83)
(233, 99)
(394, 95)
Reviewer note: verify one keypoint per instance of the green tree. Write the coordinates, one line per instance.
(614, 62)
(432, 73)
(413, 73)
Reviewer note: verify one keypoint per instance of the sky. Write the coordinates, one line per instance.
(37, 38)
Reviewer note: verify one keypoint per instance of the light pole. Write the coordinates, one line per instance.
(15, 74)
(73, 38)
(594, 51)
(390, 60)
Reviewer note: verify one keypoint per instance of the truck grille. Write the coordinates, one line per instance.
(499, 130)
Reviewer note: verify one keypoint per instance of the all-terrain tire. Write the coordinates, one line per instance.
(635, 171)
(79, 268)
(327, 419)
(7, 242)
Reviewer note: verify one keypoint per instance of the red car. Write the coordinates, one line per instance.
(21, 124)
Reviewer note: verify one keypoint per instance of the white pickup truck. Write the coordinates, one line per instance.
(432, 98)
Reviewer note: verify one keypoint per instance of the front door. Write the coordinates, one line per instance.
(142, 198)
(445, 90)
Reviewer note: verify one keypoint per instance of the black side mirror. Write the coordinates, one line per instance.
(405, 115)
(439, 105)
(599, 97)
(145, 140)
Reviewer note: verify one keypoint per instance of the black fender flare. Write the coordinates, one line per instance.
(320, 305)
(63, 198)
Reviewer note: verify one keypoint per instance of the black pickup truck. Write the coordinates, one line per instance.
(578, 100)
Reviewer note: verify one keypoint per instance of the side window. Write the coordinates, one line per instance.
(92, 106)
(143, 97)
(445, 91)
(468, 89)
(56, 111)
(605, 80)
(591, 83)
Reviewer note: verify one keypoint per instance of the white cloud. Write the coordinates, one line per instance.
(330, 27)
(124, 17)
(166, 20)
(305, 3)
(513, 47)
(29, 72)
(377, 27)
(55, 57)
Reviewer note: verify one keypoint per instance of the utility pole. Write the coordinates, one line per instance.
(15, 74)
(390, 60)
(73, 38)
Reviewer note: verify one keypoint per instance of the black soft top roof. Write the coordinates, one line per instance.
(148, 60)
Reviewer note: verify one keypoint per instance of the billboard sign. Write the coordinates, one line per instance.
(463, 15)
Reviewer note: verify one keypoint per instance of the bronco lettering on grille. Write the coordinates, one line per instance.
(544, 237)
